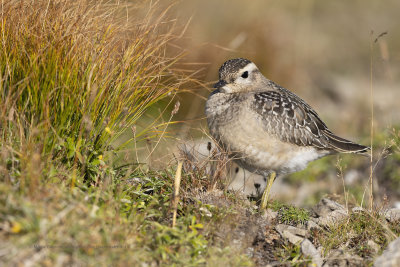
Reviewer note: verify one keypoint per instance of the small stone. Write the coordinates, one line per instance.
(393, 215)
(373, 246)
(270, 214)
(357, 210)
(292, 229)
(294, 239)
(312, 225)
(335, 216)
(391, 256)
(339, 258)
(308, 249)
(326, 206)
(293, 234)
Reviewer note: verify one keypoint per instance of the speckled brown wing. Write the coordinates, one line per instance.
(289, 118)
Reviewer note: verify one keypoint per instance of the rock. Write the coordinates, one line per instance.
(308, 249)
(373, 246)
(393, 215)
(314, 220)
(270, 215)
(357, 210)
(339, 258)
(335, 216)
(326, 206)
(293, 234)
(329, 212)
(294, 230)
(312, 225)
(391, 256)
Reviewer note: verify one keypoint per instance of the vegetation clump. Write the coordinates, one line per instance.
(363, 233)
(291, 215)
(75, 77)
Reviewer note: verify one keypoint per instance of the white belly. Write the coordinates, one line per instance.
(282, 160)
(260, 152)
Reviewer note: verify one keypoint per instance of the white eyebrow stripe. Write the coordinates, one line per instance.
(249, 67)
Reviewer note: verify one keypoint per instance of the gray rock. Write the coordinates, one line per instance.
(335, 216)
(373, 246)
(312, 225)
(326, 206)
(308, 249)
(393, 215)
(391, 256)
(293, 234)
(269, 214)
(339, 258)
(357, 210)
(329, 212)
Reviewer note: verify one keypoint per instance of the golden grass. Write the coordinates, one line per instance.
(76, 75)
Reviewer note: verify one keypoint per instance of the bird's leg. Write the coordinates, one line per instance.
(264, 199)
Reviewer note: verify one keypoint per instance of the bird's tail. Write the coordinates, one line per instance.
(345, 146)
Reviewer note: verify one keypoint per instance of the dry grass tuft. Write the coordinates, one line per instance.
(76, 75)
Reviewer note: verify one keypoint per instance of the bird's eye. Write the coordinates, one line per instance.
(245, 74)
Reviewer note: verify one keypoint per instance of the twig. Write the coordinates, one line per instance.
(175, 199)
(371, 195)
(340, 173)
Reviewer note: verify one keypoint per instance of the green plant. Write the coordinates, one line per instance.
(355, 232)
(291, 215)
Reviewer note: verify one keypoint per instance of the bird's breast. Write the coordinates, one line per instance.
(221, 111)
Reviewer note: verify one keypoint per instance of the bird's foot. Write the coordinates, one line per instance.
(265, 196)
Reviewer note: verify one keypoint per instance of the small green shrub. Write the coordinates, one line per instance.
(290, 215)
(355, 232)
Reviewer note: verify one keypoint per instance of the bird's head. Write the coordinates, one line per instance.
(239, 75)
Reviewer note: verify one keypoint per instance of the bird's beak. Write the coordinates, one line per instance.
(220, 84)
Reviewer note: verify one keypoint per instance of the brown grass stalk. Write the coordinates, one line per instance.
(371, 193)
(175, 198)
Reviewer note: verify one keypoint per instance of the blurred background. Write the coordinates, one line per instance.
(330, 53)
(319, 50)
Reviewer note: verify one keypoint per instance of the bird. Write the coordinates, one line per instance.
(265, 128)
